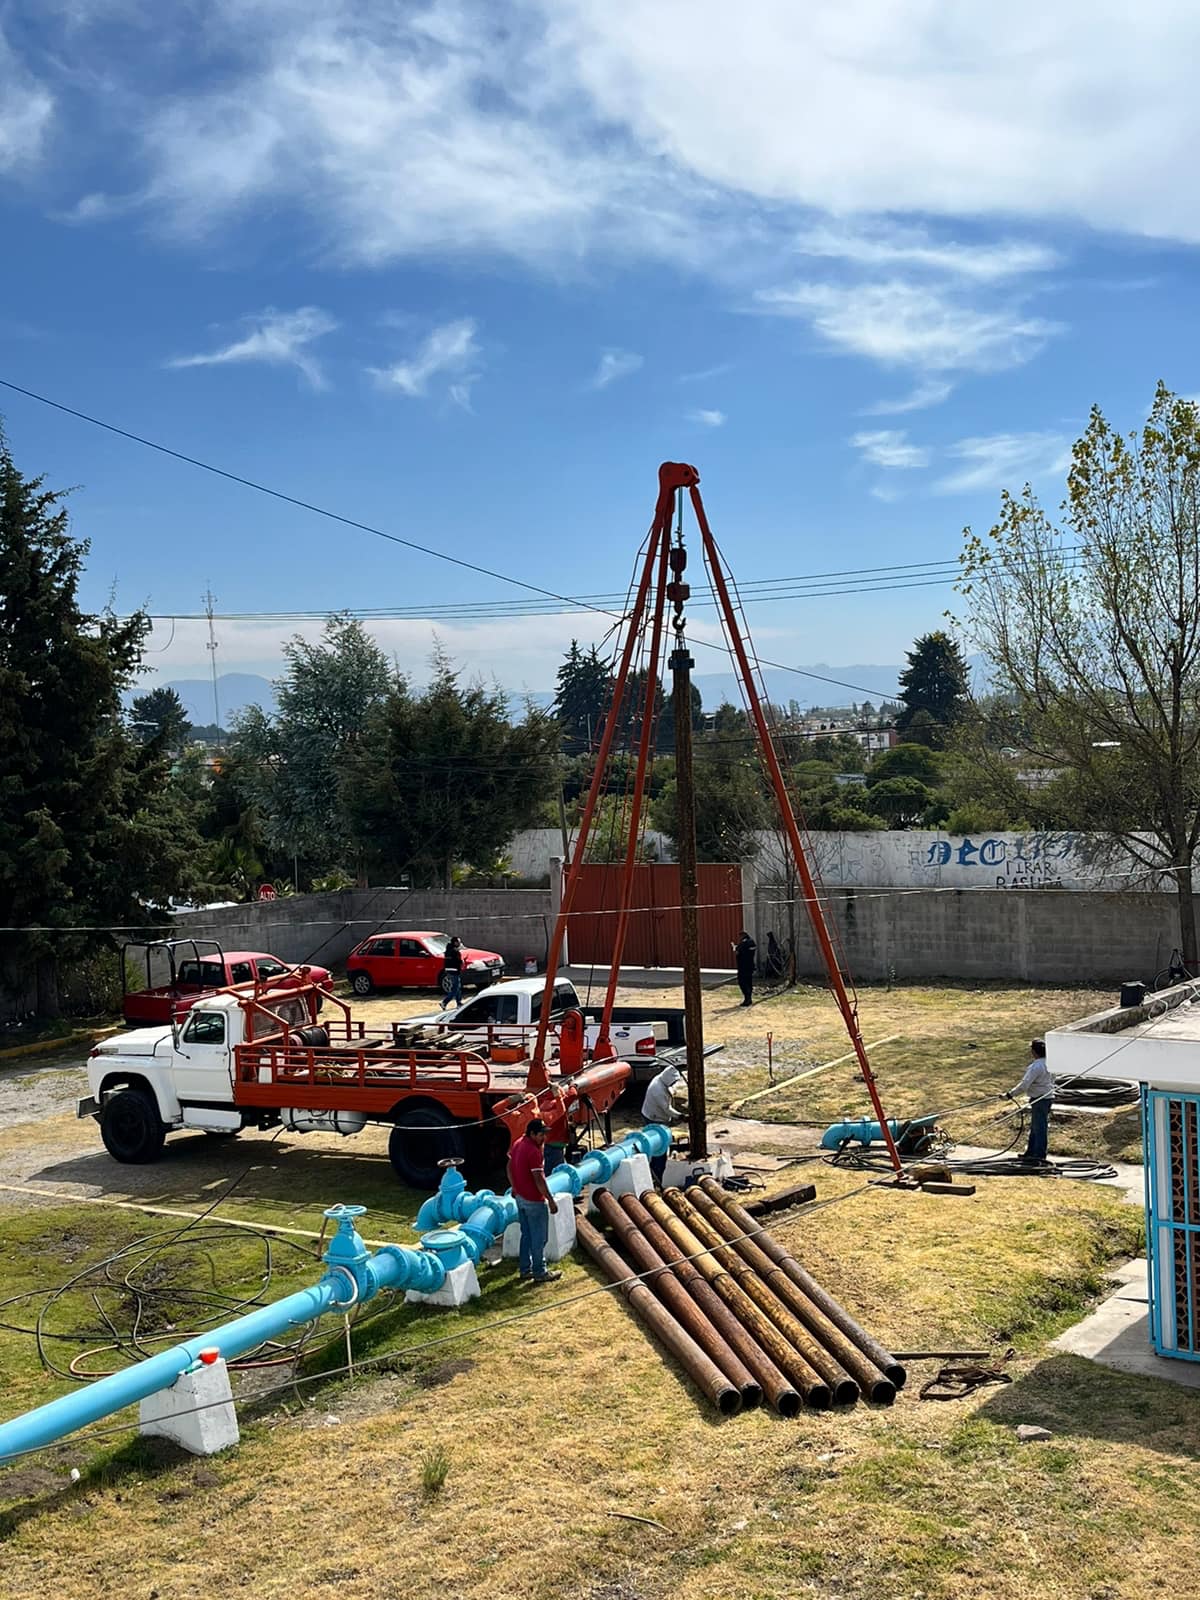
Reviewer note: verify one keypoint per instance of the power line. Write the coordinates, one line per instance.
(380, 533)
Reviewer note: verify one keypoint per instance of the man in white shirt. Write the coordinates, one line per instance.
(1039, 1086)
(659, 1106)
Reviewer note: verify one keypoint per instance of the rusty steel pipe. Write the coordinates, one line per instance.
(812, 1387)
(865, 1373)
(699, 1367)
(779, 1392)
(837, 1314)
(842, 1387)
(659, 1278)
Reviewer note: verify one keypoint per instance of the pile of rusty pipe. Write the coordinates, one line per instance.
(843, 1390)
(841, 1319)
(700, 1367)
(781, 1395)
(786, 1357)
(873, 1383)
(658, 1276)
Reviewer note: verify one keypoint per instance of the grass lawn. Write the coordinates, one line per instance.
(946, 1045)
(555, 1424)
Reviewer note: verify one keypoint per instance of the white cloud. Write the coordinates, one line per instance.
(931, 392)
(687, 130)
(707, 419)
(705, 373)
(889, 447)
(280, 338)
(1004, 461)
(613, 365)
(451, 352)
(26, 111)
(887, 245)
(900, 324)
(886, 492)
(905, 106)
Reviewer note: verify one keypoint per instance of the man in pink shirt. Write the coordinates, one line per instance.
(526, 1174)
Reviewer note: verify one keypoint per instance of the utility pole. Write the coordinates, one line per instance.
(209, 602)
(689, 896)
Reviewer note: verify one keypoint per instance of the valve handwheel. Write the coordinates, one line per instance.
(451, 1161)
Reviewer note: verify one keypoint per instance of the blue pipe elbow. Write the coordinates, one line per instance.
(864, 1132)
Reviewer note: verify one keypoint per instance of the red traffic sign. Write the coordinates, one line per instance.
(266, 891)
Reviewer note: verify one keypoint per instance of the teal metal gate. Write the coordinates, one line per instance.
(1171, 1129)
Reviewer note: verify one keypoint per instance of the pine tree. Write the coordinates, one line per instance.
(90, 830)
(582, 697)
(935, 681)
(160, 715)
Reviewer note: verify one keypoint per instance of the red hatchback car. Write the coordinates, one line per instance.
(415, 961)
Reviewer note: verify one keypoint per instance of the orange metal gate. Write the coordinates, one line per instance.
(654, 937)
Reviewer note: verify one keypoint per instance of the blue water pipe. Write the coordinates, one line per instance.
(864, 1133)
(352, 1276)
(482, 1216)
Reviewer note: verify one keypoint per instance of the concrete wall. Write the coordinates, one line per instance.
(921, 858)
(326, 927)
(1039, 936)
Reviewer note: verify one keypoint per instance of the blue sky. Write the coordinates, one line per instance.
(470, 271)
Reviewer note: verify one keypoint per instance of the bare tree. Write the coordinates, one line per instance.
(1092, 630)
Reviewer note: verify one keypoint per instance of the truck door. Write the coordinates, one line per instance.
(202, 1059)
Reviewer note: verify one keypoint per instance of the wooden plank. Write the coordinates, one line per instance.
(798, 1194)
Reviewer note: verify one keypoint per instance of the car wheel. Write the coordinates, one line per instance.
(446, 983)
(132, 1130)
(423, 1136)
(361, 983)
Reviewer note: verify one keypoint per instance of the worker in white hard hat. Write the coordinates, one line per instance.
(659, 1106)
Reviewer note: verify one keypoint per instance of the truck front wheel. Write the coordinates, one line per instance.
(132, 1130)
(423, 1136)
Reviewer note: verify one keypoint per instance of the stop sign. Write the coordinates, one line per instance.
(266, 891)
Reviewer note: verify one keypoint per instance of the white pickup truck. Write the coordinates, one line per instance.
(265, 1059)
(517, 1006)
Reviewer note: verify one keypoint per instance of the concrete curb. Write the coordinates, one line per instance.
(66, 1041)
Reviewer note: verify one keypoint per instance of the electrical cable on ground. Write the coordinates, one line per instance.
(455, 1336)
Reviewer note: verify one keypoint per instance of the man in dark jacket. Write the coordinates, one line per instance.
(452, 971)
(743, 954)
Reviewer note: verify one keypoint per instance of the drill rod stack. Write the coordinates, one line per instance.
(743, 1317)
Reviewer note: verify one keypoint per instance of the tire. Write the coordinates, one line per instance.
(132, 1130)
(361, 983)
(415, 1153)
(445, 983)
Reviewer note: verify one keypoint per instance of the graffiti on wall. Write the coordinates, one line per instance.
(1029, 861)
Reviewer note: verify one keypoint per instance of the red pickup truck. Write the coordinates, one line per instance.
(201, 973)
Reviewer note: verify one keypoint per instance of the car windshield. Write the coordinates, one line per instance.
(437, 942)
(270, 969)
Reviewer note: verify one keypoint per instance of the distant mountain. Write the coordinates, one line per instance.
(235, 691)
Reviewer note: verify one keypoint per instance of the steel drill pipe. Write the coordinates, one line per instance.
(843, 1389)
(837, 1314)
(699, 1367)
(812, 1387)
(779, 1392)
(845, 1352)
(659, 1278)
